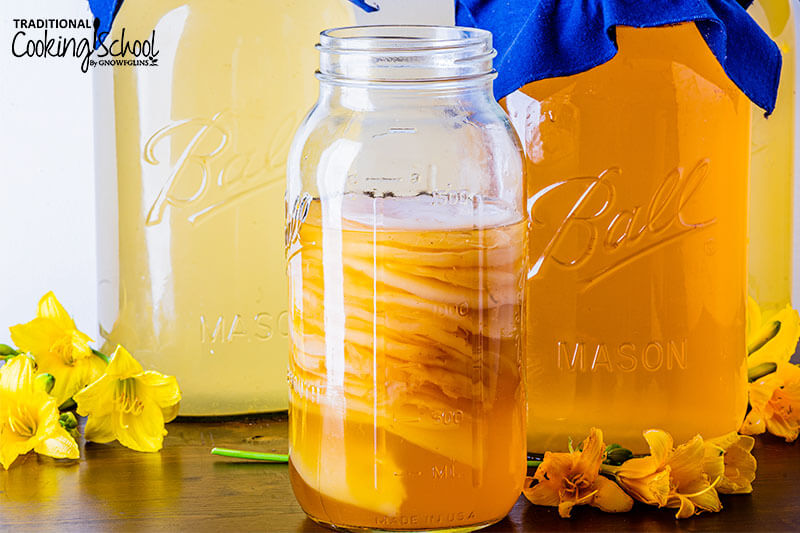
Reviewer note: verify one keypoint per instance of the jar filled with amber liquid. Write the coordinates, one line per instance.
(637, 196)
(405, 239)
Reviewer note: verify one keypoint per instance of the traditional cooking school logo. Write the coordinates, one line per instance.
(82, 39)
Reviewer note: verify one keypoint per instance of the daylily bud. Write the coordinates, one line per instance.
(68, 420)
(616, 455)
(5, 349)
(70, 423)
(759, 371)
(766, 334)
(45, 382)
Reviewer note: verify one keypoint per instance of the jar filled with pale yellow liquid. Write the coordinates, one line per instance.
(191, 149)
(773, 170)
(406, 235)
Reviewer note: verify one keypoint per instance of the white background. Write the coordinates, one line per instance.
(47, 220)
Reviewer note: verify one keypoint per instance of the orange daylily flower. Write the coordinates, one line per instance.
(569, 479)
(671, 477)
(775, 404)
(728, 458)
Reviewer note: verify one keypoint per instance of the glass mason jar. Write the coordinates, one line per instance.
(405, 241)
(191, 158)
(637, 196)
(773, 170)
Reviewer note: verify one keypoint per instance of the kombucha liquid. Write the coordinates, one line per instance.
(192, 276)
(407, 398)
(637, 180)
(772, 169)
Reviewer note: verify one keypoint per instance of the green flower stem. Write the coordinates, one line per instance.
(255, 456)
(101, 355)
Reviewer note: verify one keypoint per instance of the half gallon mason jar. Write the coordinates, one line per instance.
(637, 188)
(405, 239)
(191, 151)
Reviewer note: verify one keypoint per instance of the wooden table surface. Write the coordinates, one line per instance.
(184, 488)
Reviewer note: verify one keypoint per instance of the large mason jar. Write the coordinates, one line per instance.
(771, 261)
(405, 240)
(637, 185)
(191, 151)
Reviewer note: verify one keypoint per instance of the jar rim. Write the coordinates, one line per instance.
(400, 55)
(402, 38)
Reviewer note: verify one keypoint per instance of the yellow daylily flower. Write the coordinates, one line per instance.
(29, 418)
(670, 477)
(129, 405)
(775, 404)
(59, 348)
(728, 458)
(775, 338)
(569, 479)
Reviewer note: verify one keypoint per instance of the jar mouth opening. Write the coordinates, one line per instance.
(398, 39)
(402, 54)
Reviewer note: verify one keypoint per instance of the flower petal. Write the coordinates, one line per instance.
(565, 508)
(713, 460)
(609, 497)
(59, 444)
(739, 465)
(143, 432)
(686, 508)
(70, 379)
(123, 365)
(99, 429)
(652, 489)
(97, 399)
(12, 446)
(170, 412)
(591, 456)
(17, 375)
(542, 494)
(638, 467)
(708, 500)
(686, 462)
(160, 388)
(555, 467)
(36, 336)
(51, 308)
(660, 443)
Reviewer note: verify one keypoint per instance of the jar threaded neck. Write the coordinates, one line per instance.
(392, 55)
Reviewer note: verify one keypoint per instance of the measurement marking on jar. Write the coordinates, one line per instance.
(447, 418)
(456, 197)
(443, 472)
(406, 419)
(394, 131)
